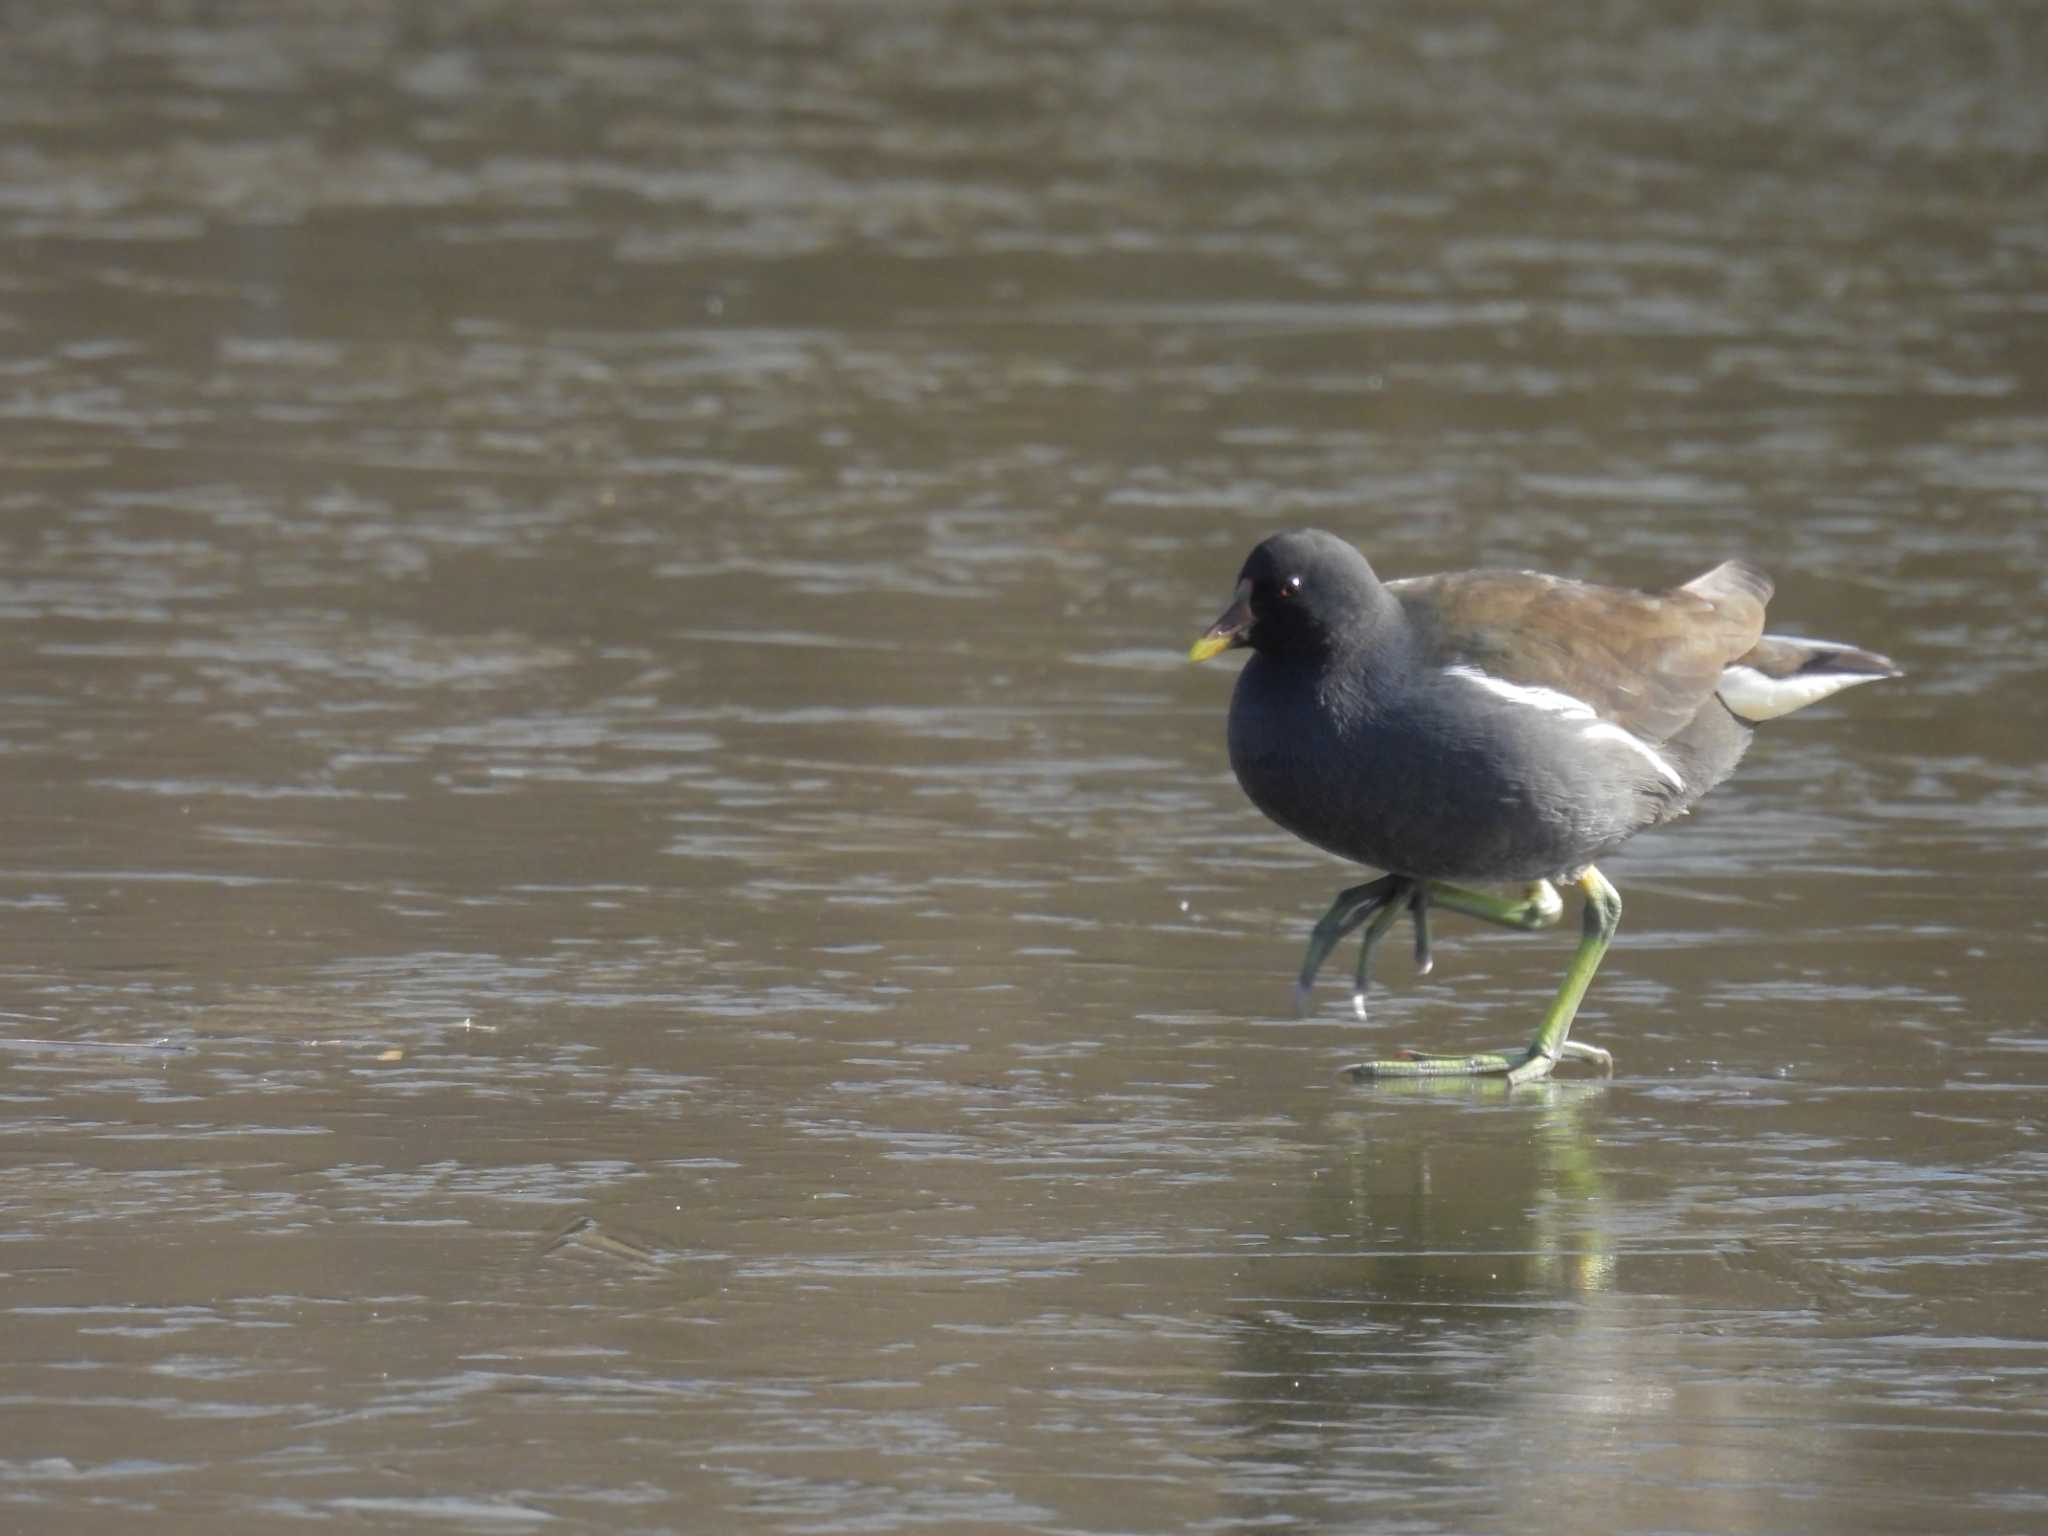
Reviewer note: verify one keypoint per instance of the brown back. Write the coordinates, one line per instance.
(1645, 661)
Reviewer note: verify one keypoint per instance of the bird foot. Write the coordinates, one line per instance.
(1527, 1065)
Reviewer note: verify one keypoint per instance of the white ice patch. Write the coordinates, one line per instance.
(1755, 696)
(1565, 707)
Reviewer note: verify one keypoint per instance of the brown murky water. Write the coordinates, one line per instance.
(622, 913)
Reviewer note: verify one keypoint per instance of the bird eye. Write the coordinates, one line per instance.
(1290, 586)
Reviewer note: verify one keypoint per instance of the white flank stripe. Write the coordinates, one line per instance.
(1609, 732)
(1754, 696)
(1565, 707)
(1548, 699)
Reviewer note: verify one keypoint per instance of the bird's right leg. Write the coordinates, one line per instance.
(1378, 904)
(1539, 907)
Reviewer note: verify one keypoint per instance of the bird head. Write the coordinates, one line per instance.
(1297, 595)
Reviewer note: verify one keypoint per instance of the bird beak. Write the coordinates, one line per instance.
(1229, 630)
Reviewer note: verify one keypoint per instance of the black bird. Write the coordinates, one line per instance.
(1494, 726)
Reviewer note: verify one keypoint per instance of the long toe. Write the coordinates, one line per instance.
(1417, 1064)
(1525, 1065)
(1579, 1050)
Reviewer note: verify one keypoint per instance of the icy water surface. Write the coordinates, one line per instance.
(623, 915)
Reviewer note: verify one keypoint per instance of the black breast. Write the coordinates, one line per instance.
(1437, 778)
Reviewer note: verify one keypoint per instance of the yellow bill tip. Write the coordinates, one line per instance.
(1207, 646)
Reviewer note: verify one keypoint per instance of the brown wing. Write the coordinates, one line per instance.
(1645, 661)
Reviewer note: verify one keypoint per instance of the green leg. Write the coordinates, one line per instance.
(1539, 907)
(1351, 908)
(1551, 1045)
(1377, 906)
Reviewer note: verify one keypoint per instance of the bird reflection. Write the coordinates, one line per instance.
(1457, 1234)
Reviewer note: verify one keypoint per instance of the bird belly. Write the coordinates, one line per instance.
(1434, 794)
